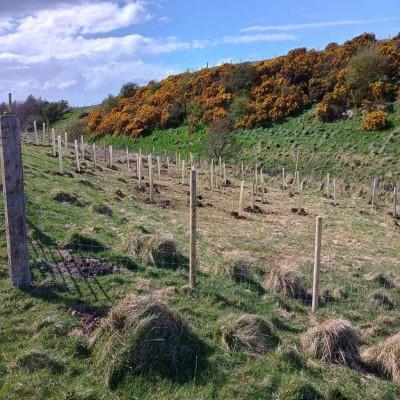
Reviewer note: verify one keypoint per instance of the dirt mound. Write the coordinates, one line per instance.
(86, 267)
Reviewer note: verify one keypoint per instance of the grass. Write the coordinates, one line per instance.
(42, 358)
(71, 116)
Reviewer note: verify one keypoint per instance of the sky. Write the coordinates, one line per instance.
(83, 50)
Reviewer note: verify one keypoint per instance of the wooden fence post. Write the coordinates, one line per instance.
(94, 155)
(110, 151)
(183, 172)
(66, 140)
(394, 210)
(193, 207)
(224, 169)
(36, 134)
(127, 158)
(60, 156)
(317, 264)
(139, 170)
(212, 174)
(327, 185)
(53, 142)
(373, 203)
(83, 147)
(14, 201)
(283, 178)
(242, 170)
(240, 212)
(262, 186)
(78, 164)
(44, 133)
(252, 195)
(150, 164)
(159, 167)
(334, 192)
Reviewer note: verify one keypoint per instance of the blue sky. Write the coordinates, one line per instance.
(84, 50)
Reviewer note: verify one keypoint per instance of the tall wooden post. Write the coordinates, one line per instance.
(110, 151)
(139, 170)
(394, 210)
(66, 140)
(240, 212)
(212, 174)
(35, 131)
(334, 192)
(10, 103)
(252, 195)
(317, 264)
(262, 186)
(44, 133)
(83, 147)
(327, 186)
(14, 201)
(60, 156)
(127, 158)
(150, 163)
(224, 169)
(159, 167)
(193, 206)
(242, 171)
(183, 172)
(373, 203)
(94, 155)
(53, 141)
(78, 164)
(283, 178)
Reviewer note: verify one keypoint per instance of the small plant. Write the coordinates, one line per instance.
(375, 121)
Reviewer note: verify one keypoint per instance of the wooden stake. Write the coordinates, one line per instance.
(36, 134)
(83, 148)
(328, 186)
(14, 201)
(240, 212)
(262, 186)
(317, 264)
(193, 206)
(242, 170)
(66, 140)
(60, 157)
(139, 169)
(78, 165)
(334, 192)
(53, 142)
(150, 164)
(394, 210)
(127, 158)
(94, 155)
(252, 196)
(212, 174)
(110, 152)
(224, 169)
(10, 103)
(159, 167)
(373, 205)
(183, 172)
(283, 178)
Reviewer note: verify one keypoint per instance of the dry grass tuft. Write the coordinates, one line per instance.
(287, 281)
(385, 357)
(239, 266)
(157, 251)
(381, 299)
(61, 196)
(380, 278)
(249, 333)
(142, 334)
(334, 341)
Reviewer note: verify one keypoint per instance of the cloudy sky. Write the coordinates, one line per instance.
(82, 50)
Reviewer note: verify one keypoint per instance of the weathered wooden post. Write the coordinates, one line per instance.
(334, 192)
(193, 207)
(240, 211)
(127, 158)
(150, 164)
(183, 172)
(78, 164)
(36, 134)
(53, 142)
(10, 103)
(242, 171)
(110, 152)
(394, 210)
(252, 195)
(66, 140)
(60, 156)
(283, 178)
(298, 180)
(256, 181)
(262, 186)
(373, 203)
(44, 133)
(328, 191)
(317, 264)
(94, 155)
(224, 169)
(212, 174)
(159, 167)
(296, 168)
(83, 147)
(14, 200)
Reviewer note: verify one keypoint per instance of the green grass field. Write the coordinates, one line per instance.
(42, 358)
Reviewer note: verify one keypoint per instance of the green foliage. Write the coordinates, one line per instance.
(55, 111)
(128, 90)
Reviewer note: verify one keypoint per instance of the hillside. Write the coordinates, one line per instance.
(360, 76)
(100, 213)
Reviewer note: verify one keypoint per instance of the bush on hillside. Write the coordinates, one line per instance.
(375, 121)
(220, 136)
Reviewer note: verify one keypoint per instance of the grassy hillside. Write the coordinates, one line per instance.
(44, 329)
(71, 116)
(340, 148)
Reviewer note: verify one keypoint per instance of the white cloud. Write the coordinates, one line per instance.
(315, 25)
(240, 39)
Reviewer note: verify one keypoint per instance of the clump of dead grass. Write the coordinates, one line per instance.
(143, 334)
(160, 251)
(61, 196)
(249, 333)
(385, 357)
(286, 281)
(334, 341)
(381, 299)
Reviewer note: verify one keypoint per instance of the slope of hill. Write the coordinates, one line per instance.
(362, 74)
(99, 213)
